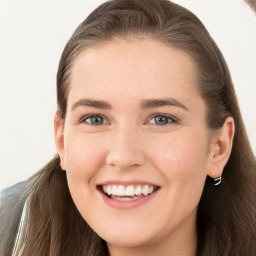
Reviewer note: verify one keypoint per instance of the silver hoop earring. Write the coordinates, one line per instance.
(217, 181)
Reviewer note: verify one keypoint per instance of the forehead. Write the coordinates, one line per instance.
(138, 67)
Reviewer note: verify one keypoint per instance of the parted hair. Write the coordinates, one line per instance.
(226, 218)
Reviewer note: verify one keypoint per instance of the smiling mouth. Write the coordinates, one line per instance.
(127, 193)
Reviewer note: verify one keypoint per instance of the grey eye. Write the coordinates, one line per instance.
(95, 120)
(161, 120)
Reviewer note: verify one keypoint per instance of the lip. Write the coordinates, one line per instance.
(126, 183)
(127, 205)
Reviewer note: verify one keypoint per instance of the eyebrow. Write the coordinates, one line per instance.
(91, 103)
(154, 103)
(145, 104)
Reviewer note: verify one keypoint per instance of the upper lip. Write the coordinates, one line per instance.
(127, 183)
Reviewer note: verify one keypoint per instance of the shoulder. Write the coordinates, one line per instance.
(12, 201)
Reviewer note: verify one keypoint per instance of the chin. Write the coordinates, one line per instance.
(130, 237)
(127, 240)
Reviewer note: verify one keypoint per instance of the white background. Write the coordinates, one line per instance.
(32, 37)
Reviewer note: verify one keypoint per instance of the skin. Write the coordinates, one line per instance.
(130, 145)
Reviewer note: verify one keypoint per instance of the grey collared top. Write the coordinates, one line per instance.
(14, 206)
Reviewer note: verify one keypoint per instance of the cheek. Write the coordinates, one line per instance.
(83, 159)
(82, 155)
(183, 162)
(182, 158)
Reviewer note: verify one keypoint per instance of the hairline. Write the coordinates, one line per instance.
(97, 43)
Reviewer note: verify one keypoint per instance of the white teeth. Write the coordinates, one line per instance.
(129, 191)
(145, 190)
(151, 189)
(109, 190)
(104, 188)
(126, 198)
(138, 191)
(114, 190)
(120, 190)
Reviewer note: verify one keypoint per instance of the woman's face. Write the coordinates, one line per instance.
(136, 128)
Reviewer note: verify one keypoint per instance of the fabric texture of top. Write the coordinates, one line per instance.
(14, 206)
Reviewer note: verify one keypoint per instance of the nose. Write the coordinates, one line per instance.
(124, 150)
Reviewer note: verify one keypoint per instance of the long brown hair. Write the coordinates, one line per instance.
(226, 220)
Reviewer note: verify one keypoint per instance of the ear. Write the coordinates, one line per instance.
(59, 137)
(221, 146)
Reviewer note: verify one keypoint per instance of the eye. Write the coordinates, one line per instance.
(162, 119)
(94, 120)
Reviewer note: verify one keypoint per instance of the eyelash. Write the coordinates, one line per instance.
(83, 120)
(170, 119)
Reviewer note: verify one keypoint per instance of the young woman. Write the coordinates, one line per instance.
(153, 157)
